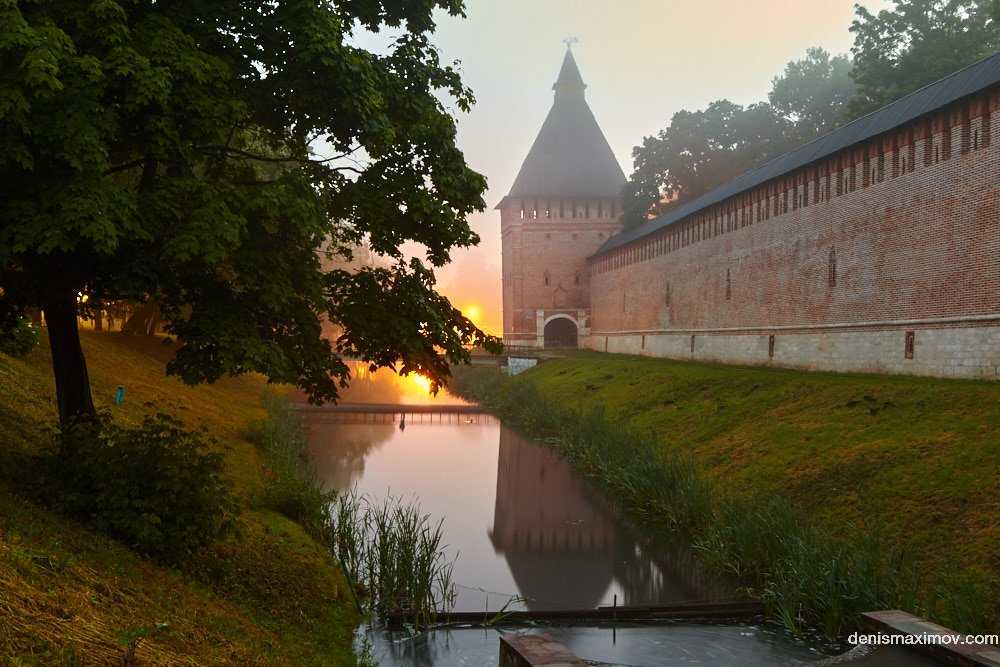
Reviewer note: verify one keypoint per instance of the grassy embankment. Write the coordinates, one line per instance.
(784, 477)
(268, 594)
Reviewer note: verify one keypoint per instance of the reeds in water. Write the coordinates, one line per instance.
(394, 556)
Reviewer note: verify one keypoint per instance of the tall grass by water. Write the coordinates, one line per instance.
(291, 485)
(806, 577)
(392, 553)
(394, 556)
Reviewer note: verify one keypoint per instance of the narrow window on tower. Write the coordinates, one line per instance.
(832, 277)
(576, 278)
(545, 278)
(975, 140)
(729, 286)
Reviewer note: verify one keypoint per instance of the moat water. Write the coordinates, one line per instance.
(525, 531)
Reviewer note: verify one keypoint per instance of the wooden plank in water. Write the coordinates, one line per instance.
(709, 612)
(536, 650)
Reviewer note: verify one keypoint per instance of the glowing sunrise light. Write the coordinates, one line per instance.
(473, 312)
(420, 381)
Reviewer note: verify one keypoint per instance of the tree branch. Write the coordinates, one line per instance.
(236, 152)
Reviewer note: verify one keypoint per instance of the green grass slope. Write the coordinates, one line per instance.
(269, 594)
(917, 459)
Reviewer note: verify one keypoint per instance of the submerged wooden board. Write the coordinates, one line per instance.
(709, 612)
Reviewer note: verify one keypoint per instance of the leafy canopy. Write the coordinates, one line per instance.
(895, 52)
(168, 151)
(917, 42)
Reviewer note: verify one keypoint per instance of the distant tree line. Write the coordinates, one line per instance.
(895, 52)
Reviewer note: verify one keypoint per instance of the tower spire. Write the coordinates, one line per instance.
(569, 83)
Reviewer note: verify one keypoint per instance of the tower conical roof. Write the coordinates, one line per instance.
(570, 156)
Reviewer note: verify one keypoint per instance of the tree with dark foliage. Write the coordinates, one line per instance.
(166, 151)
(917, 42)
(812, 94)
(700, 150)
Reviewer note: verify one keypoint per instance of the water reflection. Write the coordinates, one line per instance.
(518, 519)
(733, 646)
(566, 548)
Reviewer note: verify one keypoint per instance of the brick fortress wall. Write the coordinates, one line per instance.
(885, 257)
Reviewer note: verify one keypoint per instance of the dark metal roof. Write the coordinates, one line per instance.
(962, 83)
(570, 157)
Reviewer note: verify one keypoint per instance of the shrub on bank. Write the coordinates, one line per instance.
(291, 485)
(157, 487)
(20, 339)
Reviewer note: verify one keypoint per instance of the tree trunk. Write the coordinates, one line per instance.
(68, 364)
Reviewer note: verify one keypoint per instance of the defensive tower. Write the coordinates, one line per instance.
(565, 203)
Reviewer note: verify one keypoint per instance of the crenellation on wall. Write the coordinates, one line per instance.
(905, 227)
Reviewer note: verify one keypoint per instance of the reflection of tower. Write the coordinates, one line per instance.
(565, 547)
(558, 540)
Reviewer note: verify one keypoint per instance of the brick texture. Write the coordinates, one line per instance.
(545, 270)
(837, 261)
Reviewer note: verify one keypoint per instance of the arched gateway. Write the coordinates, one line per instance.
(560, 332)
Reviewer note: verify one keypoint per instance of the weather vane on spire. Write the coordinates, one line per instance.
(570, 41)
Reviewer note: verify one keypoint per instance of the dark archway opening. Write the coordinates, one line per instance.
(560, 332)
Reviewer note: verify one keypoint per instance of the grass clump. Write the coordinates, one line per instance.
(394, 556)
(157, 487)
(291, 486)
(808, 576)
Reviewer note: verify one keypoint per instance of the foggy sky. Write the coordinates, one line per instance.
(641, 59)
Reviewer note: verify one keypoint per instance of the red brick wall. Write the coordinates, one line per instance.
(545, 252)
(921, 240)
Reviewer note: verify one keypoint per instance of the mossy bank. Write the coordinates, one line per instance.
(911, 463)
(268, 593)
